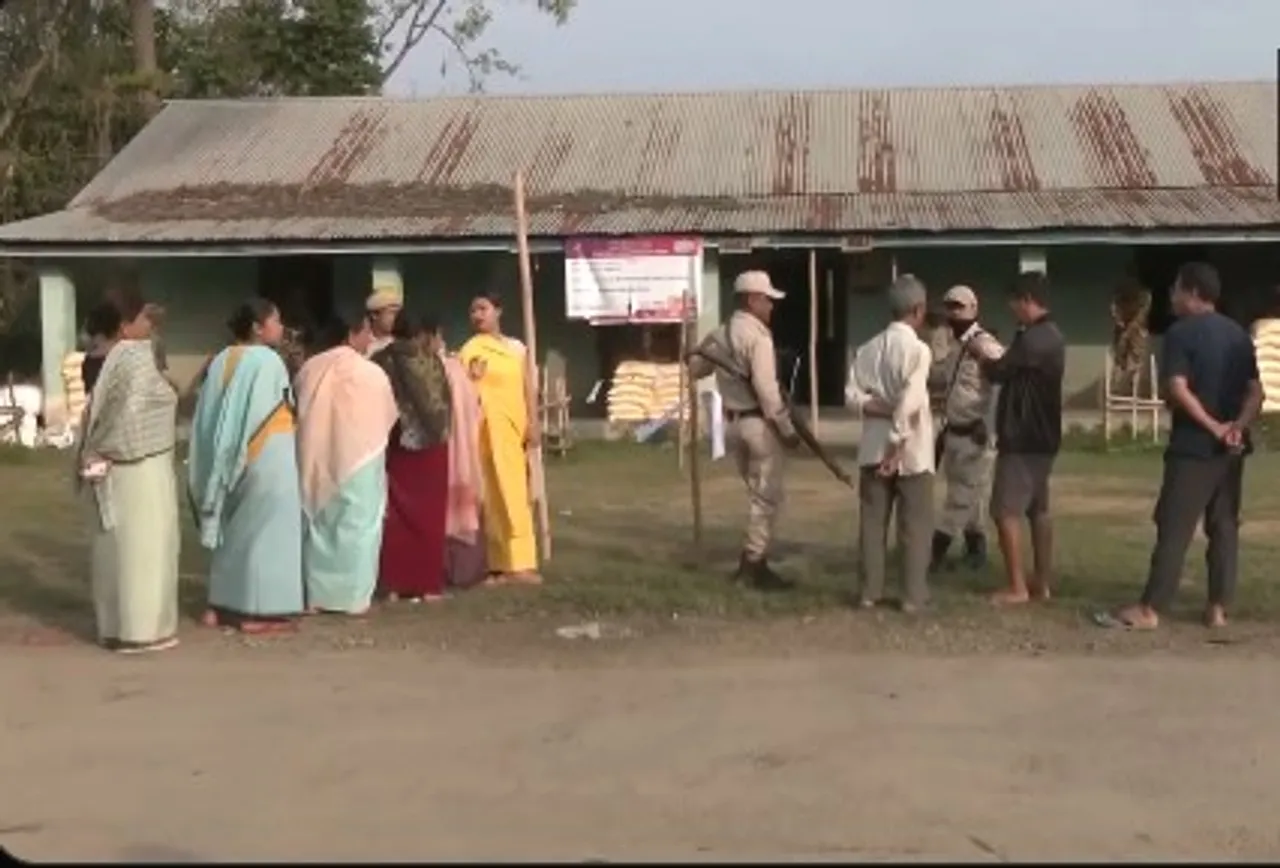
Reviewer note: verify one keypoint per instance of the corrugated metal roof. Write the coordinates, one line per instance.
(901, 213)
(907, 160)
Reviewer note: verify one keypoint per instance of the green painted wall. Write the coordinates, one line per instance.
(198, 296)
(1082, 280)
(199, 293)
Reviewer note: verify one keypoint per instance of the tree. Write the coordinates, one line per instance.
(460, 25)
(29, 42)
(277, 48)
(78, 78)
(76, 95)
(142, 32)
(70, 97)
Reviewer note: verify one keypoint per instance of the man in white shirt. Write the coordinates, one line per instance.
(888, 385)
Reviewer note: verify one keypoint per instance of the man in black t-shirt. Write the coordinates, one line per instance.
(1028, 429)
(1210, 373)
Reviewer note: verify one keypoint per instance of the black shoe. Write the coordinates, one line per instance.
(745, 572)
(975, 550)
(941, 545)
(763, 578)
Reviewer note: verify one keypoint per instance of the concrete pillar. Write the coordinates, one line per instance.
(709, 292)
(57, 339)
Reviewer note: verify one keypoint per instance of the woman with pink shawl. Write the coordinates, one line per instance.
(465, 563)
(346, 409)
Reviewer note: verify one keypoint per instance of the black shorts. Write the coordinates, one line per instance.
(1020, 485)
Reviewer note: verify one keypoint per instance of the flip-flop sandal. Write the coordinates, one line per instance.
(1111, 621)
(148, 647)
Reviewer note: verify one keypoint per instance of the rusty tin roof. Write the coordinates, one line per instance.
(900, 161)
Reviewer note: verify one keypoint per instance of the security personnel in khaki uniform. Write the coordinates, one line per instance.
(966, 436)
(760, 427)
(941, 341)
(293, 349)
(383, 306)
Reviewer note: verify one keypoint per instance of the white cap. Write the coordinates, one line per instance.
(381, 299)
(753, 282)
(961, 296)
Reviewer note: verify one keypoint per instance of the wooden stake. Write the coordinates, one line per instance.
(537, 476)
(681, 415)
(689, 337)
(813, 341)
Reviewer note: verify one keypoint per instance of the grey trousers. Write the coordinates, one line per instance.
(966, 466)
(878, 498)
(1195, 490)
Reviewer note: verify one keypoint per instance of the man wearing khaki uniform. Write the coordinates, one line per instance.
(966, 450)
(760, 427)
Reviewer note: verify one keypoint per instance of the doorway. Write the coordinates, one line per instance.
(1156, 267)
(789, 271)
(302, 289)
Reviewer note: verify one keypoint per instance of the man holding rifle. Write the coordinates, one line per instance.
(761, 428)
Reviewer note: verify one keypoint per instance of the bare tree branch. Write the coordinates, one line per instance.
(469, 63)
(46, 53)
(391, 19)
(420, 24)
(142, 25)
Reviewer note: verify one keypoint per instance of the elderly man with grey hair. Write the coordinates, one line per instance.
(888, 385)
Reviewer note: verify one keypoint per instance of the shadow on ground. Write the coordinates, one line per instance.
(47, 580)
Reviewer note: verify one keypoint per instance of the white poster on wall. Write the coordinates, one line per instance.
(632, 280)
(1032, 259)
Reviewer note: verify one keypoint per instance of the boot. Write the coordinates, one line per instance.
(941, 545)
(975, 549)
(765, 579)
(745, 573)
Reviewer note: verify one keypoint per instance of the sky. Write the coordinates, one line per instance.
(693, 45)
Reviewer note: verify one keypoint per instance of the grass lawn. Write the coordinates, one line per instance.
(623, 550)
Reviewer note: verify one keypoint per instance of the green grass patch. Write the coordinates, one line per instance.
(623, 547)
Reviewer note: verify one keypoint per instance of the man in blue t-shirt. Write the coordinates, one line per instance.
(1211, 384)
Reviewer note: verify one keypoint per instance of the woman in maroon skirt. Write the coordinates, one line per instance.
(412, 563)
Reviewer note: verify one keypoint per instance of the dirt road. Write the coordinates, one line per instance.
(223, 753)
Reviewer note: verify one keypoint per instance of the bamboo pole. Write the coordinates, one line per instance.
(689, 338)
(831, 305)
(681, 410)
(536, 467)
(813, 341)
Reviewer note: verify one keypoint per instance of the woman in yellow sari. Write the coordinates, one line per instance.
(496, 365)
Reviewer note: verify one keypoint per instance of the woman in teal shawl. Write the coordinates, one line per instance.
(243, 478)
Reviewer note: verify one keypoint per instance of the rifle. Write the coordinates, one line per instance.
(712, 352)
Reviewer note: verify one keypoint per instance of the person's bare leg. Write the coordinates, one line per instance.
(1185, 490)
(1222, 527)
(1010, 536)
(1041, 584)
(1139, 616)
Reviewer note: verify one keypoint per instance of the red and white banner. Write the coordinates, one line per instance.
(632, 280)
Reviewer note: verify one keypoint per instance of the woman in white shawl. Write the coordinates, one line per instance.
(126, 461)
